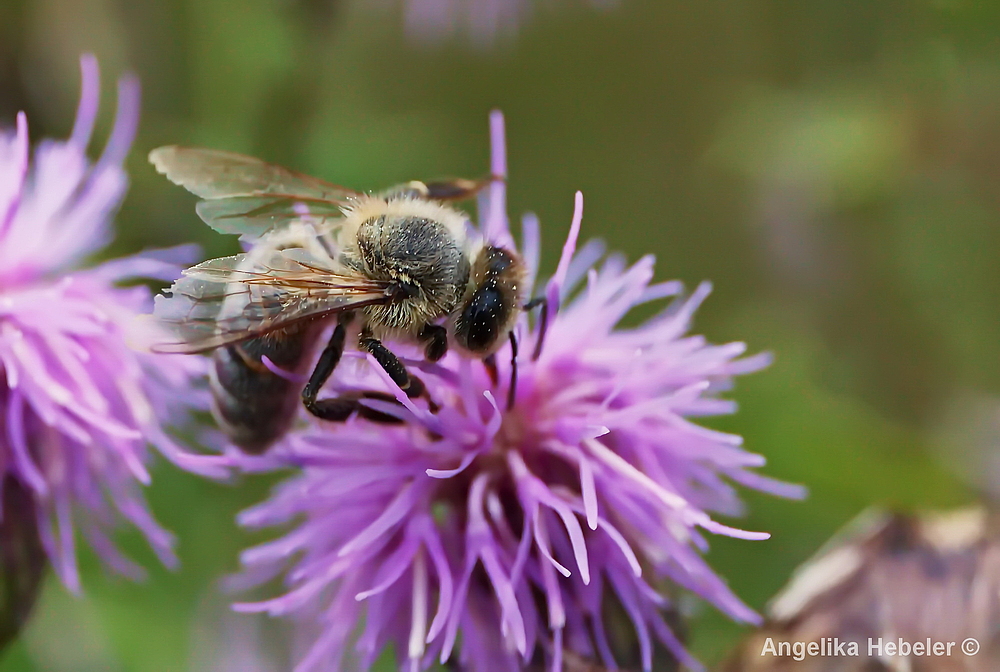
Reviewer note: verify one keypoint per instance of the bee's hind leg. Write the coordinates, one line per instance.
(339, 409)
(444, 190)
(490, 362)
(456, 190)
(328, 361)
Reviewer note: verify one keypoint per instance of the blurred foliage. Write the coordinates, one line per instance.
(832, 167)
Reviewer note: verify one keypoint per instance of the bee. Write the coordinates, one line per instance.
(397, 265)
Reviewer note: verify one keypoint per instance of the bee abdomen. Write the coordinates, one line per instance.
(252, 404)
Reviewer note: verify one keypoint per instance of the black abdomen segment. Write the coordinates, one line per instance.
(254, 406)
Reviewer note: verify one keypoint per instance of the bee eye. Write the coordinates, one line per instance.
(479, 324)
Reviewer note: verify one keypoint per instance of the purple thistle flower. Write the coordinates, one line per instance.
(485, 22)
(78, 407)
(440, 534)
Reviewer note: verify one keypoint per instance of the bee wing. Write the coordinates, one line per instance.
(255, 216)
(247, 196)
(231, 299)
(212, 174)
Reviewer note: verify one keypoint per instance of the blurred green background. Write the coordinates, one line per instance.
(833, 167)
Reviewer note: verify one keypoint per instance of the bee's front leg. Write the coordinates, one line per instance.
(436, 338)
(512, 390)
(543, 322)
(490, 362)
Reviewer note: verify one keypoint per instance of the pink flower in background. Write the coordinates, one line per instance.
(488, 536)
(484, 22)
(77, 407)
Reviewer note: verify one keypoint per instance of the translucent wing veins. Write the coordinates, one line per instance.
(231, 299)
(247, 196)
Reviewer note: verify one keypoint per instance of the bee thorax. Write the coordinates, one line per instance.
(422, 261)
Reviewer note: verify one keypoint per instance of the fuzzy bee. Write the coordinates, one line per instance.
(396, 265)
(890, 577)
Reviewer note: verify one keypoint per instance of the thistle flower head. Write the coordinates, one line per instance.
(488, 534)
(77, 407)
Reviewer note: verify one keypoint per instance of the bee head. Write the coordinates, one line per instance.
(492, 302)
